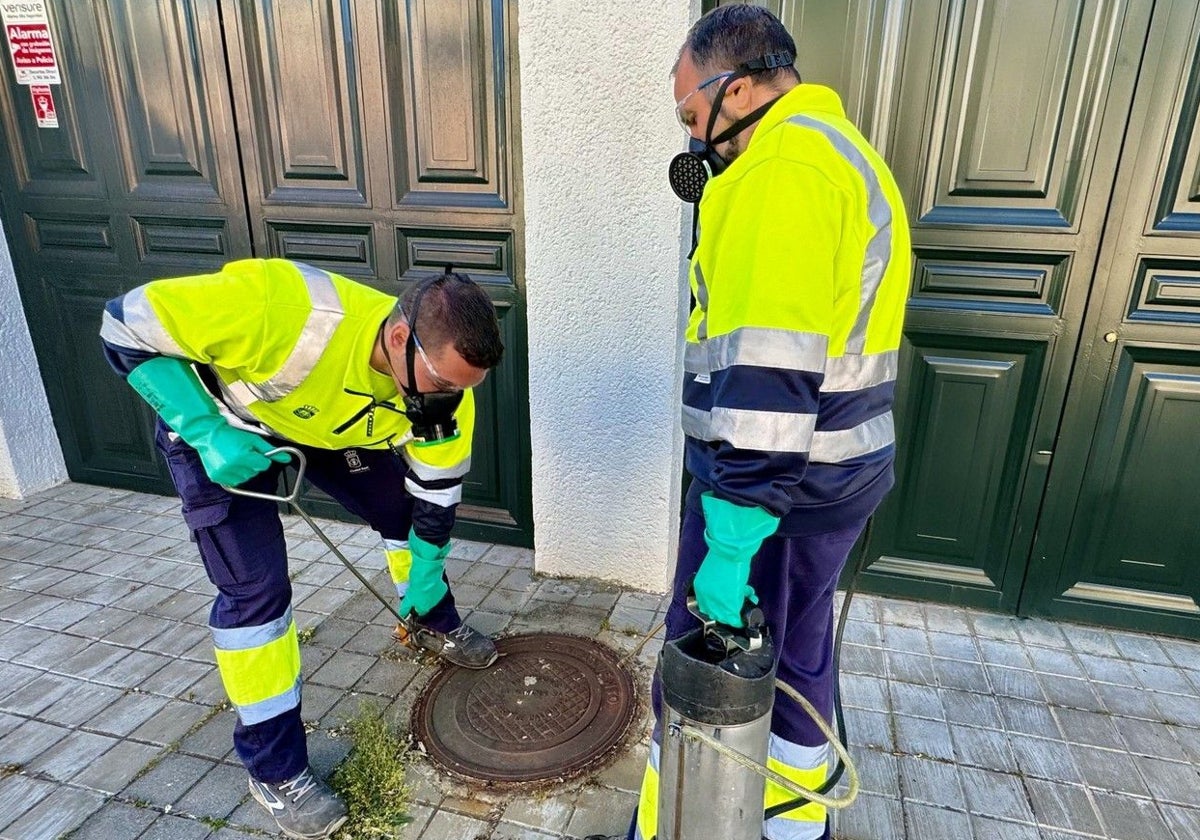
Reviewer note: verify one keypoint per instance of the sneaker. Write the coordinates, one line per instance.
(303, 807)
(464, 646)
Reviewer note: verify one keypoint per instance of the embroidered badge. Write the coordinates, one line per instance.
(353, 462)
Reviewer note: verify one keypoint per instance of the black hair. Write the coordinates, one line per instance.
(729, 36)
(454, 310)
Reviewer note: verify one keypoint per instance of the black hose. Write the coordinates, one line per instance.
(840, 768)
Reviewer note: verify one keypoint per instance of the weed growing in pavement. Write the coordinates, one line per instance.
(371, 779)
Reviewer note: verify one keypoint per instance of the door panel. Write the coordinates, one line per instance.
(1049, 156)
(1118, 538)
(965, 451)
(1019, 82)
(140, 181)
(303, 91)
(452, 99)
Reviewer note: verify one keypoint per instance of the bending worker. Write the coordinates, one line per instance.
(800, 278)
(377, 393)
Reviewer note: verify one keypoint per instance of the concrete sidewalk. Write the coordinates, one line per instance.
(964, 724)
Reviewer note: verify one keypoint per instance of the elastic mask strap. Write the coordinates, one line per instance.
(753, 117)
(695, 230)
(709, 142)
(410, 346)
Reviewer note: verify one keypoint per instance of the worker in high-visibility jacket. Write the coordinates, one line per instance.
(800, 278)
(377, 393)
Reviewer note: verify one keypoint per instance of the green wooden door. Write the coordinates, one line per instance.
(1119, 539)
(368, 137)
(1003, 123)
(1048, 403)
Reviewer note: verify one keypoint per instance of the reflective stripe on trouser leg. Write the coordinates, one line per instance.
(260, 667)
(647, 813)
(807, 766)
(399, 560)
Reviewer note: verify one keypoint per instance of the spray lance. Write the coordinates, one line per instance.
(718, 691)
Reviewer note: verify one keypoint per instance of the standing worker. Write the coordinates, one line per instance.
(800, 278)
(377, 393)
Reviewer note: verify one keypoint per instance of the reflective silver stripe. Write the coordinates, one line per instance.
(442, 498)
(696, 423)
(701, 301)
(244, 638)
(235, 396)
(695, 358)
(139, 327)
(863, 439)
(765, 347)
(323, 320)
(879, 211)
(272, 706)
(239, 393)
(783, 828)
(769, 431)
(402, 588)
(797, 755)
(425, 472)
(395, 545)
(854, 373)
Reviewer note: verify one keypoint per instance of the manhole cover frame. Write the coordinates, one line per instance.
(615, 675)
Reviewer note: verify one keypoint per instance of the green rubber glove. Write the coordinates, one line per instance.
(734, 534)
(426, 586)
(230, 456)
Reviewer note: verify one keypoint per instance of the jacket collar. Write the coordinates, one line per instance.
(803, 98)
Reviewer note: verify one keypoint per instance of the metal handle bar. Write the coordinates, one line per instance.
(291, 499)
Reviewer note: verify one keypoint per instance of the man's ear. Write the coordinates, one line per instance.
(738, 95)
(397, 335)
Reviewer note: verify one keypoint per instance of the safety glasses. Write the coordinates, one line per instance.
(679, 115)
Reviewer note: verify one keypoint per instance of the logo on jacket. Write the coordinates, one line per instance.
(306, 412)
(353, 462)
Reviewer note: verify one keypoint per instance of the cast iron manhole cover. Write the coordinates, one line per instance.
(551, 706)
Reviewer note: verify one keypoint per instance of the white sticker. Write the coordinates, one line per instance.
(29, 43)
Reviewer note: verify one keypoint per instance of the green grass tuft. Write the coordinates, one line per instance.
(371, 779)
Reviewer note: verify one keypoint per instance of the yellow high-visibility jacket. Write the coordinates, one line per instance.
(285, 348)
(800, 279)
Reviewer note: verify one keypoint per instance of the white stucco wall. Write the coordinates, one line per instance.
(30, 457)
(603, 273)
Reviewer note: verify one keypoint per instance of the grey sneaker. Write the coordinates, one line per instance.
(464, 646)
(303, 807)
